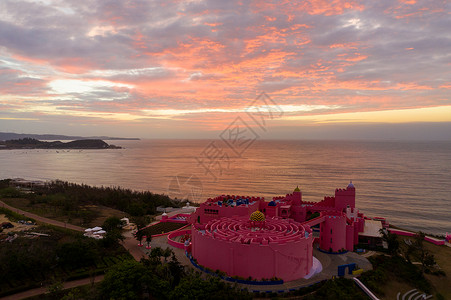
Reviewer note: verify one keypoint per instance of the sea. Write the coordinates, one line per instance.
(407, 182)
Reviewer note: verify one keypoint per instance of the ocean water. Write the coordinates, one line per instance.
(407, 182)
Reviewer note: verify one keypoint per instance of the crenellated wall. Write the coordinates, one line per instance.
(211, 210)
(223, 238)
(345, 197)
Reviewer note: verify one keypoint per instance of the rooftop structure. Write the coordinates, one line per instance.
(248, 236)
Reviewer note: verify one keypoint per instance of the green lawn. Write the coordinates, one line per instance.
(160, 228)
(395, 281)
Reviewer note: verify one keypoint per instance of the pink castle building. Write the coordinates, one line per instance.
(250, 237)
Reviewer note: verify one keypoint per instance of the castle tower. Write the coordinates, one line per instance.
(298, 213)
(345, 197)
(297, 196)
(333, 232)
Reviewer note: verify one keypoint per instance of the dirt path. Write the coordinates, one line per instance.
(129, 243)
(42, 219)
(43, 290)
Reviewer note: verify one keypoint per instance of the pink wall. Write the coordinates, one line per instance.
(175, 234)
(166, 233)
(216, 243)
(179, 218)
(333, 232)
(426, 238)
(344, 197)
(288, 260)
(211, 210)
(350, 237)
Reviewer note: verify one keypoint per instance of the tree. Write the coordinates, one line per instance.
(112, 238)
(125, 281)
(167, 253)
(77, 254)
(156, 252)
(140, 222)
(139, 236)
(417, 249)
(112, 223)
(425, 257)
(391, 240)
(113, 228)
(55, 288)
(132, 280)
(148, 240)
(192, 286)
(429, 260)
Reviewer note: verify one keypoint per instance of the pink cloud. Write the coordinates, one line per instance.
(221, 54)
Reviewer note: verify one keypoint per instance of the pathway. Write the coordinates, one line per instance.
(330, 263)
(43, 290)
(369, 253)
(413, 295)
(42, 219)
(129, 243)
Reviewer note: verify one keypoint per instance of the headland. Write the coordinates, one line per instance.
(29, 143)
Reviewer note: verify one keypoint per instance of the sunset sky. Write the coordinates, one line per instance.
(187, 69)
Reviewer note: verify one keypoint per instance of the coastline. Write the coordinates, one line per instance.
(138, 253)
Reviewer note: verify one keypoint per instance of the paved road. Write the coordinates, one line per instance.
(131, 244)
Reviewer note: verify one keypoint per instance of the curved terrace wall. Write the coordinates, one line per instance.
(174, 234)
(282, 249)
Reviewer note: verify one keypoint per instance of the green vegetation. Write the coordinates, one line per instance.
(340, 288)
(113, 228)
(83, 204)
(64, 254)
(417, 250)
(31, 143)
(388, 268)
(132, 202)
(314, 215)
(161, 228)
(391, 240)
(86, 292)
(14, 216)
(163, 278)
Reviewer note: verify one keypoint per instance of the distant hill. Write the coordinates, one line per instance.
(29, 143)
(4, 136)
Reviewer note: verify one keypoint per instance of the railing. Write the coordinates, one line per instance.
(365, 289)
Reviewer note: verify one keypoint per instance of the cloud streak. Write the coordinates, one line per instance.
(190, 61)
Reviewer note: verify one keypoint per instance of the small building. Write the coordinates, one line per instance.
(371, 235)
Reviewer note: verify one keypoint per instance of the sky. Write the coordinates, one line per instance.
(193, 69)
